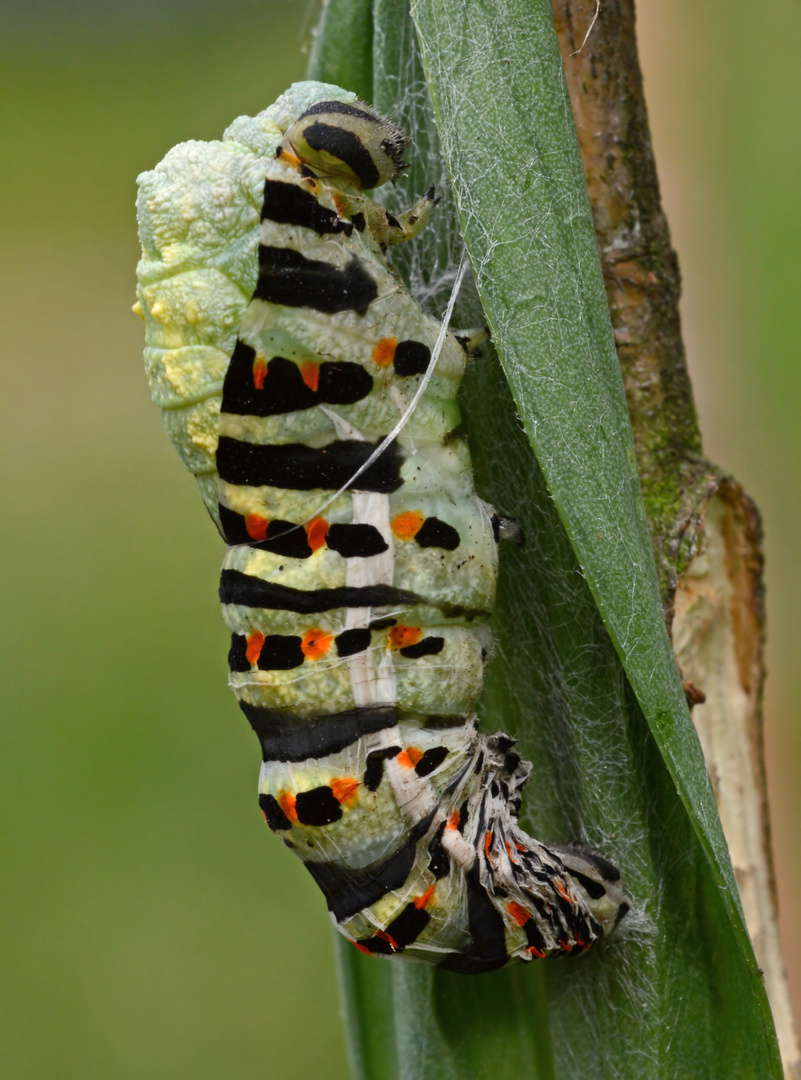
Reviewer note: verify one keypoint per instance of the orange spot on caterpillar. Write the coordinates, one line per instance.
(344, 787)
(401, 636)
(408, 524)
(388, 937)
(253, 650)
(315, 643)
(361, 948)
(341, 204)
(509, 853)
(316, 532)
(582, 944)
(286, 800)
(289, 158)
(421, 901)
(535, 952)
(563, 945)
(487, 843)
(520, 847)
(518, 913)
(259, 372)
(384, 352)
(557, 884)
(453, 820)
(409, 757)
(310, 373)
(256, 526)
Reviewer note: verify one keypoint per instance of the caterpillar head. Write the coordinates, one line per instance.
(351, 143)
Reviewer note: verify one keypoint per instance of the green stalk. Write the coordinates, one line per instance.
(342, 49)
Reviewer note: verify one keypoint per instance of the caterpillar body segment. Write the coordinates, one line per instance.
(283, 350)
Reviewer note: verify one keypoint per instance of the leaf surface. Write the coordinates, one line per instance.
(584, 674)
(342, 50)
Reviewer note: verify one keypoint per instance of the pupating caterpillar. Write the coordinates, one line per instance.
(283, 349)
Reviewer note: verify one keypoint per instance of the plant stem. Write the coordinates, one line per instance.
(704, 528)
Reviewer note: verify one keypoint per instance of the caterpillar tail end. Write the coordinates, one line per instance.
(554, 899)
(609, 906)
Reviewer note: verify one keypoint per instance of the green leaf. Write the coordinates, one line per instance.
(584, 674)
(342, 49)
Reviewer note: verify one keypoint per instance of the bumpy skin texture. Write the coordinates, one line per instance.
(283, 349)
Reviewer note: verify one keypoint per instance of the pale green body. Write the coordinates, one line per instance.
(199, 216)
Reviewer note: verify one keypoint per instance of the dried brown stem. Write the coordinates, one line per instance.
(704, 528)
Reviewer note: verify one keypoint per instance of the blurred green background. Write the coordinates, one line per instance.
(150, 926)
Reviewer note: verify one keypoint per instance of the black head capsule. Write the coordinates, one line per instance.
(351, 143)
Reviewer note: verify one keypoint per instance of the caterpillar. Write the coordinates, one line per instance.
(360, 570)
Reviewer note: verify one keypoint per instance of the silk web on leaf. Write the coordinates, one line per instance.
(556, 681)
